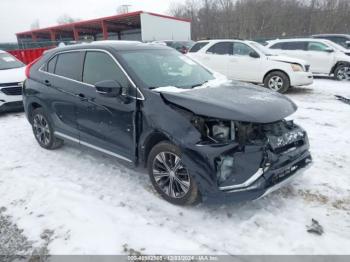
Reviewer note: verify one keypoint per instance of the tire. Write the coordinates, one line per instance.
(183, 190)
(43, 131)
(277, 81)
(342, 72)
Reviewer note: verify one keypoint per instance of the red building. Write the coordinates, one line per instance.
(140, 25)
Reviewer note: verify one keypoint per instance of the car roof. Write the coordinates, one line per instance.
(296, 40)
(116, 45)
(221, 40)
(345, 35)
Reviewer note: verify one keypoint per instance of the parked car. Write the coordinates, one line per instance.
(11, 78)
(181, 46)
(251, 62)
(200, 137)
(340, 39)
(198, 46)
(322, 55)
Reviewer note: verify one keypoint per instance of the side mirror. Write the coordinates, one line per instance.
(109, 88)
(329, 50)
(254, 55)
(347, 43)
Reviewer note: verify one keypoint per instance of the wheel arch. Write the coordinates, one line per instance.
(149, 142)
(31, 107)
(276, 70)
(339, 63)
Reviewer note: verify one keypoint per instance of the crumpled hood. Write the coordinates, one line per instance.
(12, 75)
(287, 59)
(235, 101)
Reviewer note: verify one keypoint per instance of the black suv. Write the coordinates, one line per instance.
(148, 104)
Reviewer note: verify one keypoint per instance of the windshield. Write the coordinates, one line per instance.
(161, 68)
(7, 61)
(262, 48)
(336, 46)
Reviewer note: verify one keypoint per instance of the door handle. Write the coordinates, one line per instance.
(47, 83)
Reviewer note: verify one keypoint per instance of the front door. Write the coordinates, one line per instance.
(242, 66)
(321, 59)
(105, 122)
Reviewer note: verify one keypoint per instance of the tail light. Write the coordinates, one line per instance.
(29, 66)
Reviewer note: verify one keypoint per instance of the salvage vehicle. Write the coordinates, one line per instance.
(324, 57)
(251, 62)
(11, 78)
(201, 137)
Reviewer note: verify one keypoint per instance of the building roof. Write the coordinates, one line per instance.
(127, 20)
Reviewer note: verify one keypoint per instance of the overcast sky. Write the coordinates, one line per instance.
(18, 15)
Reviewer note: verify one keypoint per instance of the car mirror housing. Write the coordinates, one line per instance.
(254, 55)
(110, 88)
(329, 50)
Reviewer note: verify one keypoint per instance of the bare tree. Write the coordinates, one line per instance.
(256, 19)
(35, 24)
(66, 19)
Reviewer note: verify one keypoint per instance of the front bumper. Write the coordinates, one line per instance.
(251, 172)
(301, 78)
(10, 103)
(269, 181)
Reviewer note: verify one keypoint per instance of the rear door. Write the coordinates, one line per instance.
(107, 123)
(62, 74)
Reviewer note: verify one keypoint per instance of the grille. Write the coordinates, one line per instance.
(11, 89)
(307, 68)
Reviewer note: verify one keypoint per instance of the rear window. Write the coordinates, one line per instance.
(222, 48)
(290, 46)
(70, 65)
(198, 46)
(51, 65)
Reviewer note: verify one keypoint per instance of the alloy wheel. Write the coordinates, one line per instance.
(275, 83)
(41, 129)
(343, 73)
(170, 175)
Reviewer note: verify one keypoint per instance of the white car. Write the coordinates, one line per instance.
(251, 62)
(324, 56)
(12, 74)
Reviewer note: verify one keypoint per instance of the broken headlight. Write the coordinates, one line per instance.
(218, 131)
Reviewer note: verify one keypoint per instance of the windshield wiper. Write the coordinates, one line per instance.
(200, 84)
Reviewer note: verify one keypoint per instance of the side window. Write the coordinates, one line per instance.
(198, 46)
(69, 65)
(241, 49)
(222, 48)
(276, 46)
(316, 46)
(51, 65)
(294, 45)
(99, 66)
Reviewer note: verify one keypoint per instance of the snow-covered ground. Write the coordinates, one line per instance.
(93, 204)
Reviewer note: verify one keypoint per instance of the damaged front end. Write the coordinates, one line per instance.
(251, 159)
